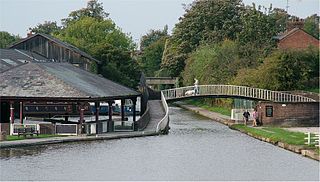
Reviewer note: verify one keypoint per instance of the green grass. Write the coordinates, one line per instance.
(15, 137)
(315, 90)
(275, 134)
(217, 109)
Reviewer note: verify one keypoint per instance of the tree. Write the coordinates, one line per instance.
(104, 41)
(205, 22)
(284, 70)
(213, 64)
(7, 39)
(258, 29)
(47, 27)
(152, 46)
(152, 36)
(93, 9)
(150, 60)
(311, 25)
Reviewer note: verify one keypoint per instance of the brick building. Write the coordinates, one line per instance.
(289, 114)
(296, 38)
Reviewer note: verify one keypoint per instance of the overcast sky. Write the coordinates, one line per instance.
(132, 16)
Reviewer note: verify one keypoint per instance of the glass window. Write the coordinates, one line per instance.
(269, 111)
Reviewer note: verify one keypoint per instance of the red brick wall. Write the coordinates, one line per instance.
(290, 114)
(298, 40)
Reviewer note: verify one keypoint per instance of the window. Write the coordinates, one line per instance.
(269, 111)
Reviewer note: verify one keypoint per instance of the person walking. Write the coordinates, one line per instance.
(246, 115)
(196, 86)
(255, 117)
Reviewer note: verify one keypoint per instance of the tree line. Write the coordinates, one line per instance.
(215, 41)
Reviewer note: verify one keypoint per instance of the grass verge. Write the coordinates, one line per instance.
(217, 109)
(15, 137)
(277, 135)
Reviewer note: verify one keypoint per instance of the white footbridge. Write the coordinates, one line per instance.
(234, 91)
(224, 91)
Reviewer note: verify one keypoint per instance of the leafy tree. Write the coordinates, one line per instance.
(153, 36)
(150, 60)
(104, 41)
(47, 27)
(205, 22)
(152, 46)
(311, 25)
(284, 70)
(94, 9)
(258, 28)
(7, 39)
(213, 64)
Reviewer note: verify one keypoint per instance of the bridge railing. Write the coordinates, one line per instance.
(233, 90)
(163, 124)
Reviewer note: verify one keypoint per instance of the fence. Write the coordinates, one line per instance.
(236, 91)
(164, 123)
(312, 140)
(15, 127)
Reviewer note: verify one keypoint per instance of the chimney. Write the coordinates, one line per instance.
(296, 23)
(29, 34)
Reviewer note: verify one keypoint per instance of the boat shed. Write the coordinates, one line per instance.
(27, 78)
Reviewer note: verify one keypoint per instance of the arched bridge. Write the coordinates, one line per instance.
(222, 91)
(233, 91)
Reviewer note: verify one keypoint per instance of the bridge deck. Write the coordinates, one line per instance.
(156, 114)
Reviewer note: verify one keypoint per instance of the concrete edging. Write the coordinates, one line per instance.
(56, 140)
(293, 148)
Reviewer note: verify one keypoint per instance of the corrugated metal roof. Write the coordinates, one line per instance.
(36, 79)
(9, 58)
(64, 44)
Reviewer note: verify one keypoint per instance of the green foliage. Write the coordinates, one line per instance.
(89, 31)
(152, 46)
(47, 27)
(205, 21)
(203, 103)
(283, 70)
(152, 37)
(257, 29)
(173, 60)
(93, 10)
(311, 25)
(7, 39)
(151, 58)
(213, 64)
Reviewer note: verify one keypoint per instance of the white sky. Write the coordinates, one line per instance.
(133, 16)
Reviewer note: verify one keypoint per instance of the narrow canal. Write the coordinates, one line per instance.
(195, 149)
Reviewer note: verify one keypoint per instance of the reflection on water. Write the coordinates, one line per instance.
(195, 149)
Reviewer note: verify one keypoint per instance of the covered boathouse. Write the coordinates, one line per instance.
(29, 79)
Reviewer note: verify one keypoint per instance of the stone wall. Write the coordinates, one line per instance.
(289, 114)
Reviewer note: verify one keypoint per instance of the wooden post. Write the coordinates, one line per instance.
(134, 101)
(97, 106)
(110, 122)
(81, 118)
(11, 113)
(21, 112)
(122, 111)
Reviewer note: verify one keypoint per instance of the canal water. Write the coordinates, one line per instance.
(195, 149)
